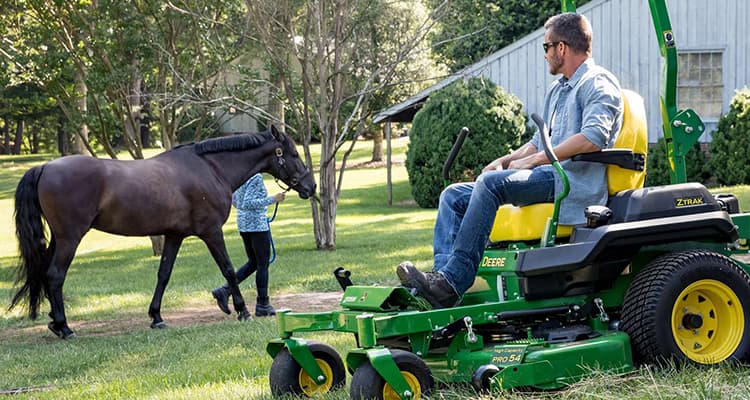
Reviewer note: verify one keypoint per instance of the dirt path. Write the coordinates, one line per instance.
(205, 314)
(189, 316)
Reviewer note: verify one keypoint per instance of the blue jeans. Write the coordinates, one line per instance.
(466, 213)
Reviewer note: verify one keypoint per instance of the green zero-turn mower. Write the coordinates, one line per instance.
(650, 278)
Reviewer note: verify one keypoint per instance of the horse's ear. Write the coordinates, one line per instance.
(276, 133)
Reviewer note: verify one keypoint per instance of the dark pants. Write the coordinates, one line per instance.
(258, 250)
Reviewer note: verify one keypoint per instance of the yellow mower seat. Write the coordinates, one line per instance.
(527, 223)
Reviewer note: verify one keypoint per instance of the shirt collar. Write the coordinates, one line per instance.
(582, 69)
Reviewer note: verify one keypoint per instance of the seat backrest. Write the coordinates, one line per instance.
(514, 224)
(634, 136)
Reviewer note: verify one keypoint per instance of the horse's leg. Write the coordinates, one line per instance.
(63, 253)
(169, 254)
(216, 246)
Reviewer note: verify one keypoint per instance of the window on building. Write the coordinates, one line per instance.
(699, 83)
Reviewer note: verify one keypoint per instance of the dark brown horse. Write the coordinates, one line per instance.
(182, 192)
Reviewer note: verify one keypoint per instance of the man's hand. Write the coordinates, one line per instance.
(573, 145)
(498, 165)
(505, 161)
(279, 197)
(528, 162)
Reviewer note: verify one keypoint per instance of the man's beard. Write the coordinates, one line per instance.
(555, 63)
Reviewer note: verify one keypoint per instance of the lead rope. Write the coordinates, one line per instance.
(270, 236)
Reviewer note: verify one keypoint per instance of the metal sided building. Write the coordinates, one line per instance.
(713, 57)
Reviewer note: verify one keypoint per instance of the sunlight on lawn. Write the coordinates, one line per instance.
(8, 245)
(92, 242)
(95, 304)
(96, 240)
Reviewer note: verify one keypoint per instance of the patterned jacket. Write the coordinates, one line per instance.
(252, 201)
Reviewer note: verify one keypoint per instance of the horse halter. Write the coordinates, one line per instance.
(284, 175)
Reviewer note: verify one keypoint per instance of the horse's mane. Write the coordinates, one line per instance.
(231, 143)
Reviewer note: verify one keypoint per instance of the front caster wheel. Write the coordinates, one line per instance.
(368, 384)
(288, 377)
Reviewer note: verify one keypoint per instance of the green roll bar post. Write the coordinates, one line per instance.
(682, 128)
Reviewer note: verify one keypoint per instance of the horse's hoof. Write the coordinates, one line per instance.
(158, 325)
(64, 333)
(244, 315)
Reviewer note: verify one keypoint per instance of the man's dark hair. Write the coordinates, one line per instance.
(573, 29)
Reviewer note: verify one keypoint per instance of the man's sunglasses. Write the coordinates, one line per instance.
(547, 45)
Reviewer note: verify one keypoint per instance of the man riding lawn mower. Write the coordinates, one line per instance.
(648, 278)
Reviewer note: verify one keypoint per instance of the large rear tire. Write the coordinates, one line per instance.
(368, 384)
(288, 377)
(689, 307)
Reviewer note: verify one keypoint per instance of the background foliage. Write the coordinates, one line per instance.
(496, 124)
(657, 165)
(730, 148)
(474, 29)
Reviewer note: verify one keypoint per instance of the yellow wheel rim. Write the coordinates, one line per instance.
(707, 321)
(310, 386)
(416, 388)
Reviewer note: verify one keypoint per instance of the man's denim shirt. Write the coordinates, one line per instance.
(590, 103)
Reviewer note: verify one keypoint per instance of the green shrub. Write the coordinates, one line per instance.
(657, 165)
(496, 124)
(730, 146)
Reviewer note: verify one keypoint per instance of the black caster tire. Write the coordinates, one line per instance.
(368, 384)
(288, 378)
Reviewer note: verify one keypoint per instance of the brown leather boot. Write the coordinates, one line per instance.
(431, 285)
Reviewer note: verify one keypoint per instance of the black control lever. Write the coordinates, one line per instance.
(342, 276)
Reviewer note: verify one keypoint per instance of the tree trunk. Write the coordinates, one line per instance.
(145, 119)
(34, 139)
(6, 136)
(326, 230)
(157, 245)
(276, 105)
(133, 113)
(146, 129)
(327, 224)
(63, 140)
(81, 142)
(19, 137)
(377, 145)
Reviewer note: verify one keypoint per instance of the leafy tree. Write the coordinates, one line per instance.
(388, 28)
(329, 64)
(474, 29)
(101, 60)
(193, 46)
(21, 103)
(730, 154)
(331, 58)
(496, 123)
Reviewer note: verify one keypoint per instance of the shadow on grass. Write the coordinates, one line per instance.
(104, 283)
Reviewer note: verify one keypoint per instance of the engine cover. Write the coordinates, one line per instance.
(661, 201)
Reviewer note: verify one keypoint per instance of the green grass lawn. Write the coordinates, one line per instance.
(207, 355)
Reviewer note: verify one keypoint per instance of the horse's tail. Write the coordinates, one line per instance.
(32, 243)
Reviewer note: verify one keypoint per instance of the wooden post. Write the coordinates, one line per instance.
(389, 183)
